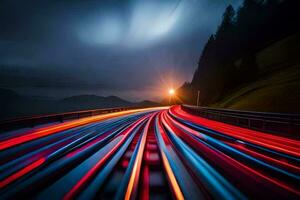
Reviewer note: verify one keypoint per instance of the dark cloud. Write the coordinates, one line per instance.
(127, 48)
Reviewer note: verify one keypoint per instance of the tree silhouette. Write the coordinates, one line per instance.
(255, 25)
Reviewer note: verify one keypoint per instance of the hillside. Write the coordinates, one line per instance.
(276, 92)
(250, 60)
(277, 88)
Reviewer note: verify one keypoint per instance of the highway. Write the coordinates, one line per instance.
(153, 153)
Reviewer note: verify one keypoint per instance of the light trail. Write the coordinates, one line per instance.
(163, 153)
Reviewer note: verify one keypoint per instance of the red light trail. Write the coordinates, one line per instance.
(148, 153)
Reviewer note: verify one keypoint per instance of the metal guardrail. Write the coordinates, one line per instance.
(42, 119)
(277, 123)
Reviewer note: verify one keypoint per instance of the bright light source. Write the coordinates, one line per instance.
(171, 91)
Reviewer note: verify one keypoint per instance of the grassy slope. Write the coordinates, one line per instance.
(278, 90)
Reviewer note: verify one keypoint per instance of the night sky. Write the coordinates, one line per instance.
(132, 49)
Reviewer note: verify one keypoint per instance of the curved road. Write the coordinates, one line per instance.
(155, 153)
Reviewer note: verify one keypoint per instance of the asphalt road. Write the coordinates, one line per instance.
(155, 153)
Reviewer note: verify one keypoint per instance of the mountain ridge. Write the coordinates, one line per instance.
(13, 105)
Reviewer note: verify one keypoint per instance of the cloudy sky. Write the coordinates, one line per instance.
(134, 49)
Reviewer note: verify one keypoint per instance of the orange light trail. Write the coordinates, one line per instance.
(64, 126)
(87, 177)
(133, 181)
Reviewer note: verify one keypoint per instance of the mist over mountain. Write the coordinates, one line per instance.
(14, 105)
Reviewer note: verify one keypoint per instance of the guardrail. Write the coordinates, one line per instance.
(42, 119)
(278, 123)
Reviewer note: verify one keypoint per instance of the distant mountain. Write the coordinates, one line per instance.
(6, 93)
(94, 98)
(93, 101)
(147, 103)
(13, 105)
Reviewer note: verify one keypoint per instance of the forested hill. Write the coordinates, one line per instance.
(228, 59)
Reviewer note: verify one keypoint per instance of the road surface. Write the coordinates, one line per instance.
(155, 153)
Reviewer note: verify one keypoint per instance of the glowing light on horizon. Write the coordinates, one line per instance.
(171, 91)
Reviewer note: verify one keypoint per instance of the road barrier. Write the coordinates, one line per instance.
(43, 119)
(278, 123)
